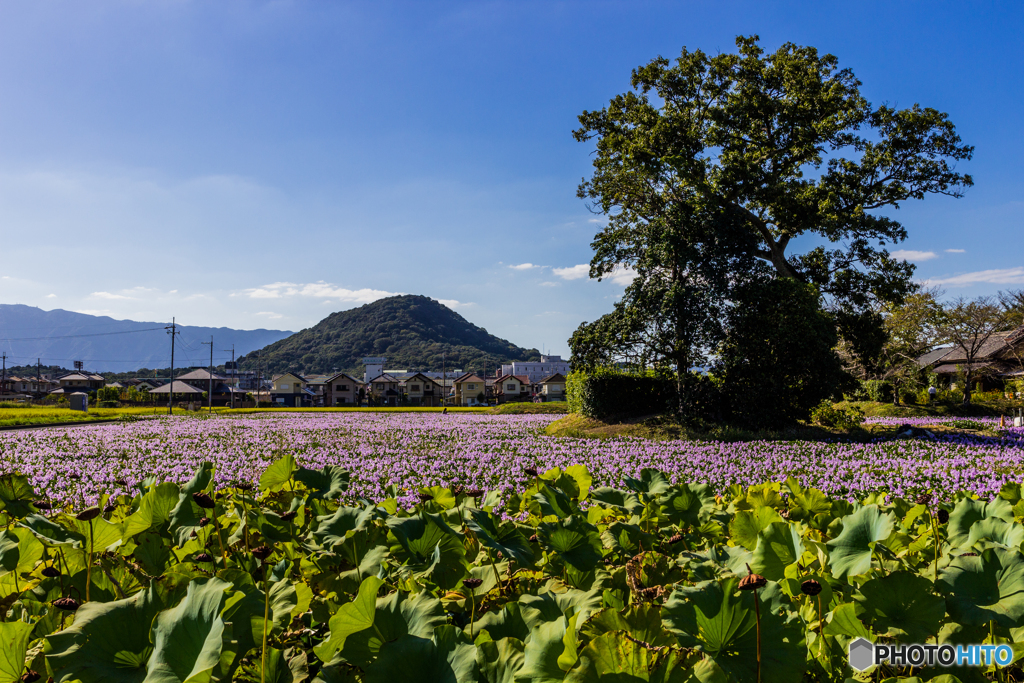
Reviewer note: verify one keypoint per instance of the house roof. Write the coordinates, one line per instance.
(289, 374)
(990, 349)
(551, 379)
(79, 376)
(384, 379)
(335, 376)
(468, 377)
(201, 374)
(116, 385)
(179, 388)
(933, 356)
(424, 378)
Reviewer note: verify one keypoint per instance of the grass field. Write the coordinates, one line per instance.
(42, 415)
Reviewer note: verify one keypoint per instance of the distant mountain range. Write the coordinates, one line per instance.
(411, 331)
(61, 337)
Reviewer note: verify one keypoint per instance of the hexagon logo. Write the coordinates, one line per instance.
(862, 654)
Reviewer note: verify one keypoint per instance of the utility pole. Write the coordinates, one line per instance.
(444, 380)
(234, 371)
(172, 330)
(3, 381)
(209, 393)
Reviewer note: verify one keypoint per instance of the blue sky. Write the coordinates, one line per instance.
(262, 164)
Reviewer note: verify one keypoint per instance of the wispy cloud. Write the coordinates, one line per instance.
(453, 303)
(955, 251)
(572, 272)
(51, 296)
(271, 315)
(109, 296)
(319, 290)
(622, 276)
(525, 266)
(911, 255)
(995, 276)
(550, 284)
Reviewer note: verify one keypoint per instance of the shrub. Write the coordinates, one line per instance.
(878, 390)
(605, 392)
(827, 415)
(965, 424)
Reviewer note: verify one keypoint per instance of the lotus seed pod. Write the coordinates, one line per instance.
(261, 552)
(203, 500)
(810, 587)
(752, 582)
(66, 604)
(472, 584)
(203, 557)
(475, 493)
(425, 497)
(50, 572)
(41, 505)
(30, 676)
(121, 482)
(288, 516)
(943, 516)
(675, 539)
(243, 485)
(530, 472)
(109, 507)
(203, 521)
(533, 539)
(924, 499)
(88, 514)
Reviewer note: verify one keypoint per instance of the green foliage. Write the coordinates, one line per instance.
(108, 394)
(411, 331)
(877, 390)
(827, 414)
(777, 362)
(560, 583)
(603, 392)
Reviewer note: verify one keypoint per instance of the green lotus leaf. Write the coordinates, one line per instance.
(685, 504)
(613, 658)
(500, 660)
(573, 540)
(335, 529)
(545, 501)
(329, 483)
(184, 518)
(994, 531)
(505, 623)
(109, 641)
(350, 618)
(104, 535)
(808, 502)
(19, 549)
(16, 495)
(626, 538)
(397, 615)
(747, 524)
(188, 639)
(902, 606)
(986, 587)
(968, 511)
(154, 509)
(417, 537)
(51, 533)
(504, 538)
(641, 621)
(625, 501)
(279, 473)
(574, 481)
(719, 619)
(651, 481)
(778, 546)
(281, 667)
(14, 639)
(850, 553)
(10, 553)
(447, 657)
(543, 649)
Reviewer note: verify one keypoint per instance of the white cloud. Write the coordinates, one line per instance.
(109, 296)
(525, 266)
(271, 315)
(955, 251)
(452, 303)
(622, 275)
(573, 272)
(996, 276)
(911, 255)
(595, 220)
(319, 290)
(550, 284)
(51, 296)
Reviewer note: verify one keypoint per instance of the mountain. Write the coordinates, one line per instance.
(410, 331)
(61, 337)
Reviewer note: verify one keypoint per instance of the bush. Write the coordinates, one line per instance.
(878, 390)
(827, 415)
(965, 424)
(605, 392)
(107, 404)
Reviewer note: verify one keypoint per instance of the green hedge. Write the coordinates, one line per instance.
(605, 392)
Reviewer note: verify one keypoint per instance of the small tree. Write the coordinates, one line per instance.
(969, 325)
(108, 394)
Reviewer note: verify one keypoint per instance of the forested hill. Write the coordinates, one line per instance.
(410, 331)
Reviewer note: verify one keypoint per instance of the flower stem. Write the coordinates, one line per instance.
(266, 616)
(757, 614)
(88, 567)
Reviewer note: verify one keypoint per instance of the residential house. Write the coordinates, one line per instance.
(290, 390)
(317, 384)
(342, 389)
(222, 390)
(469, 389)
(420, 390)
(552, 388)
(84, 382)
(512, 388)
(535, 371)
(999, 358)
(183, 391)
(385, 391)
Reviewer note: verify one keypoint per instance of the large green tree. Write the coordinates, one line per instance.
(787, 145)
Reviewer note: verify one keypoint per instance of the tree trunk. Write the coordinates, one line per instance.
(967, 387)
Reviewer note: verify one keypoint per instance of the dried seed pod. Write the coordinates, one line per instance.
(500, 555)
(203, 557)
(66, 604)
(87, 514)
(261, 552)
(968, 554)
(924, 499)
(675, 539)
(810, 587)
(530, 472)
(472, 584)
(533, 539)
(458, 490)
(244, 485)
(424, 497)
(30, 676)
(203, 500)
(475, 493)
(752, 582)
(784, 513)
(50, 572)
(288, 516)
(943, 516)
(192, 535)
(41, 505)
(203, 521)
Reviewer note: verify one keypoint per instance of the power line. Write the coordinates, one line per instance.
(77, 336)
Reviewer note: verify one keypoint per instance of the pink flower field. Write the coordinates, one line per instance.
(490, 451)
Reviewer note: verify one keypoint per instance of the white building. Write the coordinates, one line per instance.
(374, 368)
(535, 371)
